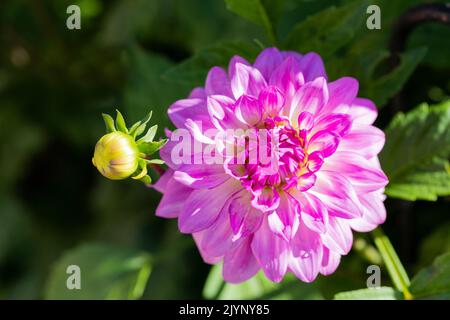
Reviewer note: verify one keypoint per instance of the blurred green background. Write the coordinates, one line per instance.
(55, 83)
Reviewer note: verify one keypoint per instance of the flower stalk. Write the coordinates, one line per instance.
(393, 264)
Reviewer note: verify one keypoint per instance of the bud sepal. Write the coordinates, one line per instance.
(118, 155)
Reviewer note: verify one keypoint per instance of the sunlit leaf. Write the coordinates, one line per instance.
(416, 153)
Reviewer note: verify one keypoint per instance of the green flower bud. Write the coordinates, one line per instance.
(116, 155)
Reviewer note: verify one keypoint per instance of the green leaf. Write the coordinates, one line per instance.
(433, 282)
(151, 147)
(120, 122)
(381, 293)
(109, 122)
(386, 86)
(107, 272)
(145, 86)
(193, 71)
(258, 287)
(416, 153)
(437, 243)
(328, 30)
(255, 11)
(156, 161)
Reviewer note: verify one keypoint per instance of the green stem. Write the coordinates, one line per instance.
(393, 264)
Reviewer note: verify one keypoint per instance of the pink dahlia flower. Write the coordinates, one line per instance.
(298, 215)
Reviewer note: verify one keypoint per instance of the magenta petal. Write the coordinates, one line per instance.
(374, 212)
(173, 199)
(220, 109)
(271, 252)
(311, 97)
(330, 261)
(197, 93)
(161, 184)
(363, 111)
(312, 66)
(287, 77)
(232, 65)
(305, 121)
(266, 199)
(217, 82)
(315, 161)
(363, 175)
(272, 100)
(339, 236)
(342, 94)
(198, 237)
(307, 252)
(239, 264)
(324, 141)
(364, 139)
(338, 194)
(337, 123)
(199, 176)
(248, 110)
(247, 80)
(285, 219)
(314, 213)
(267, 61)
(244, 219)
(201, 210)
(217, 238)
(194, 109)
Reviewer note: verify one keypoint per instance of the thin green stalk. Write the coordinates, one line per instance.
(393, 264)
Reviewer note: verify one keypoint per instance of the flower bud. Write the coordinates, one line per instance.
(116, 155)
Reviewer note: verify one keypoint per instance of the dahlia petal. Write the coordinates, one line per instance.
(366, 140)
(271, 252)
(337, 193)
(363, 111)
(247, 80)
(342, 93)
(311, 97)
(248, 110)
(216, 239)
(314, 213)
(312, 66)
(338, 123)
(358, 170)
(239, 264)
(272, 100)
(324, 141)
(306, 181)
(374, 212)
(184, 109)
(330, 262)
(199, 176)
(232, 65)
(305, 121)
(197, 93)
(244, 219)
(285, 219)
(161, 184)
(220, 109)
(197, 131)
(267, 61)
(287, 77)
(173, 199)
(201, 210)
(315, 161)
(266, 199)
(217, 82)
(198, 236)
(307, 252)
(339, 236)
